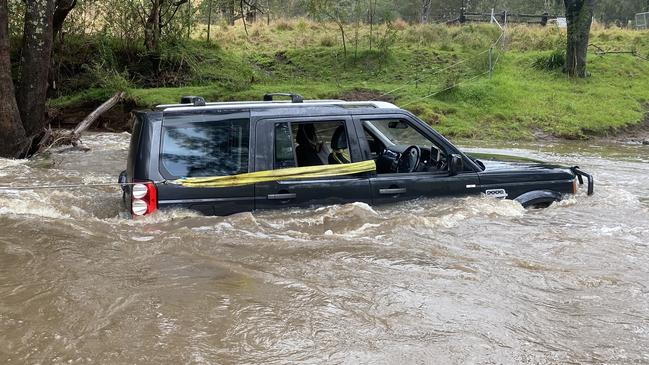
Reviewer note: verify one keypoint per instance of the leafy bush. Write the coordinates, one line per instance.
(387, 40)
(109, 79)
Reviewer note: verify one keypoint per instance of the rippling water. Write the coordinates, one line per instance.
(465, 280)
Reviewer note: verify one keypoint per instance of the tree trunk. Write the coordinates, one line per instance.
(152, 27)
(90, 119)
(425, 10)
(61, 11)
(12, 135)
(372, 11)
(342, 33)
(579, 15)
(35, 64)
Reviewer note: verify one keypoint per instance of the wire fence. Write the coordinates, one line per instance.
(496, 48)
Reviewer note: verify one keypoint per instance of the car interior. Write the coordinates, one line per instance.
(399, 148)
(319, 143)
(396, 146)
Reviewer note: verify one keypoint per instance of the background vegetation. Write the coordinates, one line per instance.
(392, 51)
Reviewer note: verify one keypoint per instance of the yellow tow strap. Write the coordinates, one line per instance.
(292, 173)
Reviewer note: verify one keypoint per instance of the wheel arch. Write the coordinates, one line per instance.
(539, 197)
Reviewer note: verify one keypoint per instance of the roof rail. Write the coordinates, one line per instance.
(295, 98)
(189, 102)
(273, 105)
(195, 100)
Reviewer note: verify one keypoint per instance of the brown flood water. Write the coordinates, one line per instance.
(467, 280)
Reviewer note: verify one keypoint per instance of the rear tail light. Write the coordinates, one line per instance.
(144, 198)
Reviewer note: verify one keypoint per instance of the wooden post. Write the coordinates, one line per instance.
(209, 20)
(491, 52)
(189, 19)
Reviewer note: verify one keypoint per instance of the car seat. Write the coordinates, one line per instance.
(339, 146)
(309, 147)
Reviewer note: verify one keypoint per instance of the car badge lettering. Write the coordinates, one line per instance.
(497, 193)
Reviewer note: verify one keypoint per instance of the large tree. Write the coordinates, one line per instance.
(579, 14)
(12, 133)
(23, 108)
(35, 63)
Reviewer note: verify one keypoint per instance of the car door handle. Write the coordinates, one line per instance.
(395, 191)
(286, 196)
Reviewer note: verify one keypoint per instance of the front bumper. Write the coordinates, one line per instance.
(581, 175)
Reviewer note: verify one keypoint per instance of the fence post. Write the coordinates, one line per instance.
(492, 16)
(491, 50)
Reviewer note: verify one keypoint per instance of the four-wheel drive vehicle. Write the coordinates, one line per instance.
(224, 158)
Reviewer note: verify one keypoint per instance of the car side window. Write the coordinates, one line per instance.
(195, 149)
(396, 132)
(390, 139)
(310, 144)
(284, 151)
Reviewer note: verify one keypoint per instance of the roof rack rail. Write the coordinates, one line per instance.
(195, 100)
(189, 102)
(295, 98)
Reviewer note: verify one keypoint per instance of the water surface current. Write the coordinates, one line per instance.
(441, 281)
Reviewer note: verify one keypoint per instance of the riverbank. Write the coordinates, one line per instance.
(527, 97)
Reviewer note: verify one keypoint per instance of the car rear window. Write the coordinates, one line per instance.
(201, 149)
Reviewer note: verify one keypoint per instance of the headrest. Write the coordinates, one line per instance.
(339, 139)
(306, 135)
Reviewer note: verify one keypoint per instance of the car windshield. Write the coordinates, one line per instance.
(397, 132)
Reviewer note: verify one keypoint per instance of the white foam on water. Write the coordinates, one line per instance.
(143, 238)
(162, 216)
(464, 209)
(7, 162)
(22, 205)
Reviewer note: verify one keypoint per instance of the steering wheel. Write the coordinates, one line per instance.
(409, 160)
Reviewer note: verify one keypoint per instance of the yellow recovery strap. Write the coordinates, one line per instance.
(292, 173)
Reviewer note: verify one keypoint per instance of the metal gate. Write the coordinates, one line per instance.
(642, 21)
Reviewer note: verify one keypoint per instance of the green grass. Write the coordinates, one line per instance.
(519, 101)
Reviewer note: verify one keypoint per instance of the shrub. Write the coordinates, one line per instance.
(387, 40)
(554, 61)
(283, 25)
(327, 41)
(108, 78)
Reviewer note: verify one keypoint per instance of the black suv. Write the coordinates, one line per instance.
(195, 139)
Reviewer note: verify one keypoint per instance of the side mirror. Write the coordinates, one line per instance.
(455, 165)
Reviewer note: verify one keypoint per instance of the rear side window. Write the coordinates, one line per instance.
(284, 151)
(301, 144)
(216, 148)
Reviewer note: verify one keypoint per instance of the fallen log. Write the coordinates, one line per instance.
(52, 139)
(92, 117)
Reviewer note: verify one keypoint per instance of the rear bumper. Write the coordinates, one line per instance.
(581, 175)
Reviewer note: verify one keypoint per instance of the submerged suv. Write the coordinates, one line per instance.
(296, 153)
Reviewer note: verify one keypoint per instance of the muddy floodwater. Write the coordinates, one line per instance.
(447, 281)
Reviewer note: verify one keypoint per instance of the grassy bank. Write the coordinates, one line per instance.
(526, 96)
